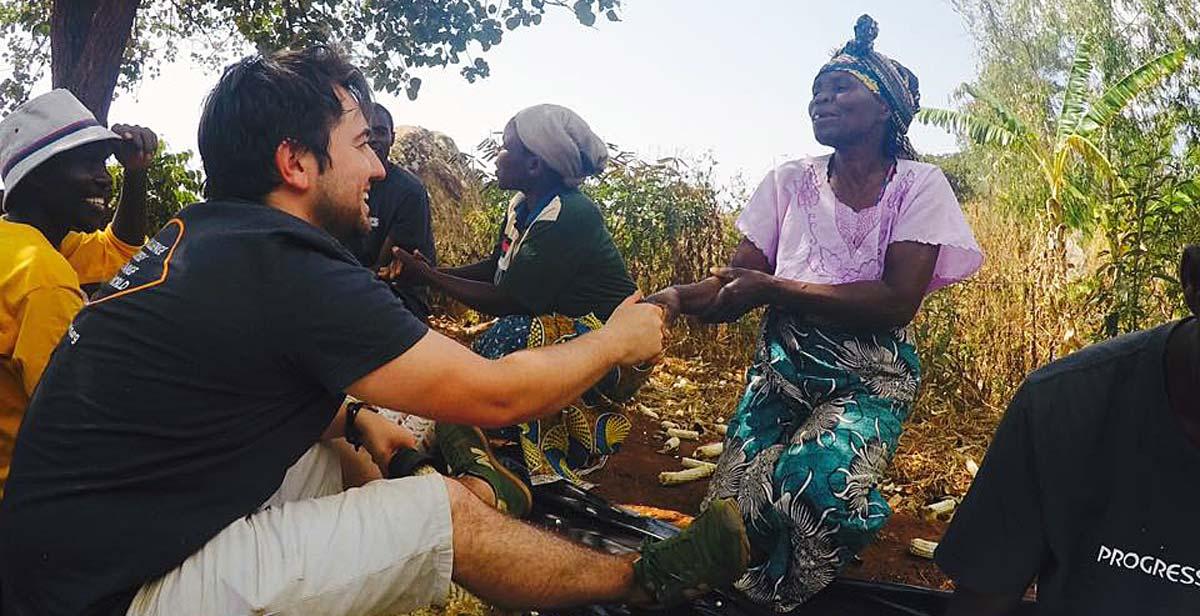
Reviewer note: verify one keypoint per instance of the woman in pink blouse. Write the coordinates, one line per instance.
(842, 249)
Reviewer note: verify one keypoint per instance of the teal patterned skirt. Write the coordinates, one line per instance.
(813, 434)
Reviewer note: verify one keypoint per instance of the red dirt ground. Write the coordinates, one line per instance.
(631, 477)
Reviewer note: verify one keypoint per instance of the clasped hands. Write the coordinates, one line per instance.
(407, 268)
(725, 296)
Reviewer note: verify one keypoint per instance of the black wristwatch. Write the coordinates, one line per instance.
(353, 435)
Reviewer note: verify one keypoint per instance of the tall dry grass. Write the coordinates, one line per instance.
(978, 340)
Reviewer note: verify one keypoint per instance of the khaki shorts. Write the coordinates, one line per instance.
(312, 549)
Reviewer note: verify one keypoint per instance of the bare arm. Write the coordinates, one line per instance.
(482, 296)
(412, 268)
(135, 152)
(382, 438)
(890, 302)
(442, 380)
(482, 271)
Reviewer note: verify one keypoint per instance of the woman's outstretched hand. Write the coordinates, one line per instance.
(407, 269)
(742, 290)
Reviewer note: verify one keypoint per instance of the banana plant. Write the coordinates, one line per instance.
(1077, 127)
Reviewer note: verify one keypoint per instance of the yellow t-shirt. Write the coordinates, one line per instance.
(39, 296)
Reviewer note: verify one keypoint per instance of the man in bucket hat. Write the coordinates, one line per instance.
(52, 155)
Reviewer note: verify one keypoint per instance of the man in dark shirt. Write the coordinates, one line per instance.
(399, 216)
(152, 473)
(1088, 487)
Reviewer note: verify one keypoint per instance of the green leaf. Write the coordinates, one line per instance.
(1089, 152)
(1075, 96)
(1007, 118)
(583, 12)
(1114, 100)
(978, 130)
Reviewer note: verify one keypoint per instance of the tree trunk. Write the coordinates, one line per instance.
(88, 39)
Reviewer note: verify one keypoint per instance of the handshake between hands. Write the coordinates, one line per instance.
(634, 334)
(639, 326)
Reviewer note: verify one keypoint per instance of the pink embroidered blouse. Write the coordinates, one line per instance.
(810, 236)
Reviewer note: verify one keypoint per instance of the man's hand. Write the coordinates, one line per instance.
(636, 329)
(407, 269)
(383, 437)
(743, 290)
(669, 300)
(137, 147)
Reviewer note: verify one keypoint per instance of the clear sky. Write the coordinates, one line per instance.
(675, 77)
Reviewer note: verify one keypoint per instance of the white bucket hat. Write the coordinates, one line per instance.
(40, 128)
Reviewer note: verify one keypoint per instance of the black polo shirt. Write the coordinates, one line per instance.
(179, 398)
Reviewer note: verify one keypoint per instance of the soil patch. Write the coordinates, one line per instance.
(631, 477)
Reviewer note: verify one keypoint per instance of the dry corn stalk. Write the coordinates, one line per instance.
(710, 450)
(972, 467)
(647, 411)
(690, 435)
(667, 425)
(720, 428)
(941, 510)
(670, 478)
(922, 547)
(671, 445)
(694, 463)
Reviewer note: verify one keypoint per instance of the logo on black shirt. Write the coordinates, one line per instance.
(148, 267)
(1149, 565)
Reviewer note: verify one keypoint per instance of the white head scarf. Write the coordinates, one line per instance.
(560, 137)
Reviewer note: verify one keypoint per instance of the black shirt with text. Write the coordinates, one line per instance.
(179, 398)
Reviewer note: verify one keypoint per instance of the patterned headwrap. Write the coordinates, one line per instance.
(882, 75)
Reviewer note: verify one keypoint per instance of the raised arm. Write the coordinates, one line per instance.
(135, 152)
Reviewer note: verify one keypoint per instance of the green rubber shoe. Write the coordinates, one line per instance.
(467, 452)
(713, 552)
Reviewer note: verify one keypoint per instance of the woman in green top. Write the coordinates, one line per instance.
(553, 275)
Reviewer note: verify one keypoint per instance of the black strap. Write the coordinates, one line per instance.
(352, 433)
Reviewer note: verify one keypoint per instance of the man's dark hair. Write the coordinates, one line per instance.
(262, 101)
(383, 113)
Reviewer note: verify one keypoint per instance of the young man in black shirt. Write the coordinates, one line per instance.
(399, 216)
(151, 476)
(1088, 487)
